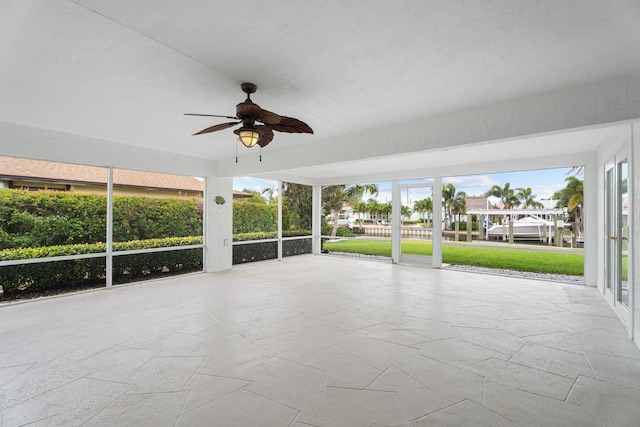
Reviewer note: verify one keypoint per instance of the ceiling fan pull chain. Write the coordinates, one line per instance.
(260, 153)
(236, 151)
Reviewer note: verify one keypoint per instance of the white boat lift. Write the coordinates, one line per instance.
(548, 228)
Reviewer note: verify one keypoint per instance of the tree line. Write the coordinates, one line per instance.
(297, 202)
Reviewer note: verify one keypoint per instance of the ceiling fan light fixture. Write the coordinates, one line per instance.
(248, 136)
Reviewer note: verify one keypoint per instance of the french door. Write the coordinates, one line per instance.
(617, 223)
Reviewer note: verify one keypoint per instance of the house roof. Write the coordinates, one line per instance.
(478, 202)
(54, 172)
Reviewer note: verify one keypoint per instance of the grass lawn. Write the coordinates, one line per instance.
(509, 258)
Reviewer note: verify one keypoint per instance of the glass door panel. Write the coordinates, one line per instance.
(417, 225)
(622, 204)
(610, 228)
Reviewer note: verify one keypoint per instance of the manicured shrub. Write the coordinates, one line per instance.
(260, 251)
(340, 232)
(69, 274)
(254, 218)
(463, 226)
(47, 218)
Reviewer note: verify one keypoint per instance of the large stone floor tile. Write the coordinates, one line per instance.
(82, 400)
(117, 364)
(232, 358)
(610, 404)
(348, 407)
(150, 409)
(456, 351)
(383, 354)
(343, 369)
(239, 408)
(451, 382)
(292, 384)
(465, 413)
(204, 389)
(492, 339)
(614, 369)
(524, 378)
(532, 410)
(557, 362)
(164, 374)
(415, 398)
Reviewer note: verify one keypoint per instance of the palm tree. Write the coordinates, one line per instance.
(506, 195)
(385, 209)
(269, 194)
(360, 208)
(422, 207)
(336, 196)
(526, 197)
(454, 203)
(405, 212)
(373, 208)
(572, 197)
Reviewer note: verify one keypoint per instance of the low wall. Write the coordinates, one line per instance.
(418, 232)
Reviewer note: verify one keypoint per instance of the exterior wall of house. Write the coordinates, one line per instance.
(218, 225)
(626, 143)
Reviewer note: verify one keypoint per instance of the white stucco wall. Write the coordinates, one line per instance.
(219, 225)
(625, 144)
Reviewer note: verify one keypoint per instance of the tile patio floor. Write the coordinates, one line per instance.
(320, 341)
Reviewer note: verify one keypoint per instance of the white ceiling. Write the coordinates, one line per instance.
(387, 86)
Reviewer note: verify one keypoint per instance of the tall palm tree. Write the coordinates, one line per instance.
(385, 209)
(269, 193)
(526, 197)
(423, 207)
(373, 208)
(455, 202)
(359, 208)
(336, 196)
(405, 212)
(506, 194)
(572, 197)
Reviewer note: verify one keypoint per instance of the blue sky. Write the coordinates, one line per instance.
(542, 182)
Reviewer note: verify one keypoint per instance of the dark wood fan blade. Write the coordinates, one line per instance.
(217, 127)
(268, 117)
(209, 115)
(291, 125)
(266, 135)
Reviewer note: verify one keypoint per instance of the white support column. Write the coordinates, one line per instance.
(204, 225)
(436, 240)
(316, 219)
(396, 223)
(109, 260)
(279, 220)
(591, 226)
(219, 224)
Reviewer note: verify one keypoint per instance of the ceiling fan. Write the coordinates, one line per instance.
(248, 114)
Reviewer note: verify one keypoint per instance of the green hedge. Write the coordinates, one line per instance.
(340, 232)
(254, 217)
(463, 226)
(77, 273)
(47, 218)
(243, 237)
(261, 251)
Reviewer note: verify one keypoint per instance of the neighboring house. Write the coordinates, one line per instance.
(36, 175)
